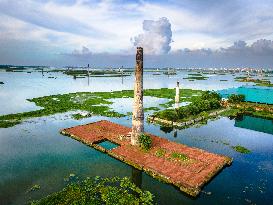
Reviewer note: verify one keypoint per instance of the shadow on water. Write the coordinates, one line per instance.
(137, 177)
(254, 123)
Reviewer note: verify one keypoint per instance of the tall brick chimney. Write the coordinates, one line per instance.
(176, 106)
(138, 114)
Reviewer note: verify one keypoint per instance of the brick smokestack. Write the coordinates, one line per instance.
(138, 114)
(176, 106)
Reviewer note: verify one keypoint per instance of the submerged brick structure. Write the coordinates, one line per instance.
(188, 175)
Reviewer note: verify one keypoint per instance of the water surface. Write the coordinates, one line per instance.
(34, 152)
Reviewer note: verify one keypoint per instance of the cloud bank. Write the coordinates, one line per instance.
(41, 32)
(258, 54)
(156, 38)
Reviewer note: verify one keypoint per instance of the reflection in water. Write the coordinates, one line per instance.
(166, 129)
(254, 123)
(88, 74)
(40, 148)
(137, 177)
(175, 133)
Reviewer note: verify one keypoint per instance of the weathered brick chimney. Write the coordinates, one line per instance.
(138, 114)
(176, 106)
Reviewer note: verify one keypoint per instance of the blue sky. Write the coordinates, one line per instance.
(208, 32)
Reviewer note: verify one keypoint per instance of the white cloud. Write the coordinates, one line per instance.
(108, 25)
(156, 38)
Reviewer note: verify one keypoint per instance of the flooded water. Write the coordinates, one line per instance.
(34, 152)
(252, 93)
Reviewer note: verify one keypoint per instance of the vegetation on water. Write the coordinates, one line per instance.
(79, 116)
(208, 101)
(258, 82)
(233, 98)
(241, 149)
(145, 141)
(195, 76)
(95, 103)
(109, 191)
(151, 109)
(34, 188)
(96, 73)
(246, 108)
(1, 83)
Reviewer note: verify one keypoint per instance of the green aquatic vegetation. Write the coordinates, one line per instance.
(111, 75)
(240, 78)
(265, 84)
(96, 73)
(233, 98)
(241, 149)
(258, 82)
(195, 76)
(1, 83)
(71, 177)
(262, 111)
(151, 109)
(170, 93)
(129, 113)
(186, 95)
(179, 156)
(95, 103)
(200, 105)
(79, 116)
(35, 187)
(9, 123)
(263, 114)
(232, 112)
(97, 191)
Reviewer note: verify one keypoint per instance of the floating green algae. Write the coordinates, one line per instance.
(99, 191)
(95, 103)
(241, 149)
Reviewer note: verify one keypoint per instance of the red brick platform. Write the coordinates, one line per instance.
(189, 175)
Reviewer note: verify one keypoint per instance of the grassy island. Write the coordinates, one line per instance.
(195, 76)
(258, 82)
(97, 73)
(200, 106)
(246, 108)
